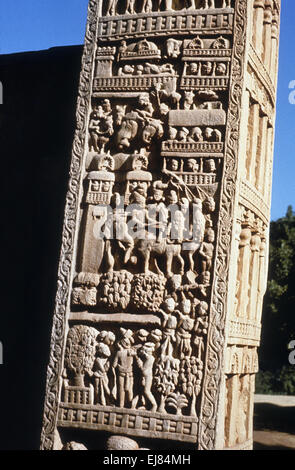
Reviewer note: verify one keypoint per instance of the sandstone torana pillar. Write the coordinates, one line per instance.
(164, 258)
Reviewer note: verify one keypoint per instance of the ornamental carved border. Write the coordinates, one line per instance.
(69, 232)
(216, 333)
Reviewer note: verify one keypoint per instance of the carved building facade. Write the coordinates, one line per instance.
(164, 258)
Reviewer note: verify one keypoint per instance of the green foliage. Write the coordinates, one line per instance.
(279, 310)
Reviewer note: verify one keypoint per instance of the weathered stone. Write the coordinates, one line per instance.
(163, 264)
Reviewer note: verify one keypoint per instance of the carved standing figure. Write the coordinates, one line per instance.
(112, 7)
(168, 5)
(123, 368)
(130, 7)
(147, 6)
(208, 4)
(145, 361)
(101, 367)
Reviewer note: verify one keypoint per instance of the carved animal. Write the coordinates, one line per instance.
(132, 126)
(150, 249)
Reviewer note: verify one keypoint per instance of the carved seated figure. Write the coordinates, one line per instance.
(192, 165)
(221, 69)
(196, 134)
(212, 135)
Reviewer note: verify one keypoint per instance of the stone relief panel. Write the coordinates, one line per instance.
(145, 326)
(148, 234)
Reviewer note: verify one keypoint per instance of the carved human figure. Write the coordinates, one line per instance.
(207, 250)
(194, 68)
(130, 7)
(164, 69)
(212, 135)
(183, 135)
(210, 166)
(192, 165)
(207, 68)
(191, 4)
(169, 325)
(208, 4)
(166, 92)
(100, 373)
(201, 327)
(204, 285)
(123, 368)
(101, 127)
(145, 108)
(172, 133)
(118, 227)
(173, 48)
(167, 5)
(126, 71)
(197, 233)
(184, 328)
(196, 134)
(145, 361)
(147, 6)
(157, 212)
(112, 7)
(189, 98)
(221, 69)
(174, 165)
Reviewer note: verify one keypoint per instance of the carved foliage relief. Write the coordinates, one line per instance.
(154, 156)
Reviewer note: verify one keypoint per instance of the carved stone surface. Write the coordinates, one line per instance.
(163, 263)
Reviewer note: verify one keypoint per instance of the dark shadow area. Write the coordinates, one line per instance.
(274, 418)
(258, 446)
(37, 122)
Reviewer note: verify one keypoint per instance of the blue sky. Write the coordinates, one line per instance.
(28, 25)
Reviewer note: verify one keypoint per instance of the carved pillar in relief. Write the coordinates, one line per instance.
(252, 140)
(261, 156)
(262, 281)
(148, 305)
(243, 272)
(254, 275)
(267, 34)
(274, 46)
(258, 26)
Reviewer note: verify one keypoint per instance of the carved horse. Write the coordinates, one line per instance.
(150, 249)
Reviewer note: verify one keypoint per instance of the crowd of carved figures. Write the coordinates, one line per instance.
(147, 6)
(154, 369)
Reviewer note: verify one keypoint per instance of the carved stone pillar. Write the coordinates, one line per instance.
(156, 325)
(254, 275)
(253, 140)
(261, 157)
(274, 47)
(258, 26)
(267, 34)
